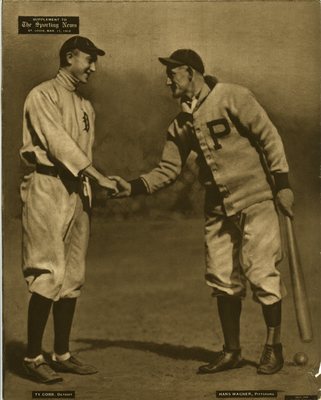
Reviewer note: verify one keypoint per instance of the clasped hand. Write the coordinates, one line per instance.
(123, 187)
(109, 185)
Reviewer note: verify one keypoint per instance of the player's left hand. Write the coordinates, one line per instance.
(285, 201)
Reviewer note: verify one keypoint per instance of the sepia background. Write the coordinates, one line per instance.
(146, 254)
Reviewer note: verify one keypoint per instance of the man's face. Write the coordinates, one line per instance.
(81, 65)
(179, 80)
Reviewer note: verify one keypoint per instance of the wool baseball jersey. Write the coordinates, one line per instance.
(58, 125)
(235, 141)
(58, 130)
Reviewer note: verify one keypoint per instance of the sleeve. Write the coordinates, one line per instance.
(253, 117)
(174, 155)
(44, 119)
(138, 186)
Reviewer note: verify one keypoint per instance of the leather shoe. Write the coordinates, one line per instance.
(74, 366)
(40, 371)
(223, 361)
(271, 360)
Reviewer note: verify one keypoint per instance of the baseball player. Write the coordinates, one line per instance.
(58, 135)
(239, 151)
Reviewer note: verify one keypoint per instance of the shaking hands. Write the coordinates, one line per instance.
(104, 182)
(123, 187)
(109, 185)
(116, 187)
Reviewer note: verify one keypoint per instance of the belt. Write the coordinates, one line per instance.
(54, 171)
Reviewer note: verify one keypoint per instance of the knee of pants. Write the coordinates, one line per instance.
(70, 293)
(237, 288)
(72, 285)
(268, 291)
(47, 284)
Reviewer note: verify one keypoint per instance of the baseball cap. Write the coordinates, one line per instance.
(81, 43)
(184, 57)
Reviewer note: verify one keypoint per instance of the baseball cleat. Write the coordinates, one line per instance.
(74, 366)
(40, 371)
(271, 360)
(223, 361)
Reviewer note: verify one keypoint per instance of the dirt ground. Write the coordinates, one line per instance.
(146, 319)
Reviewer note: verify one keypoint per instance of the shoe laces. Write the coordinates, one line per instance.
(46, 367)
(220, 356)
(268, 351)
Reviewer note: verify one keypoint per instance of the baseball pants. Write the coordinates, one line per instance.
(55, 235)
(244, 247)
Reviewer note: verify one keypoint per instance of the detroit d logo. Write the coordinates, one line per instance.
(86, 122)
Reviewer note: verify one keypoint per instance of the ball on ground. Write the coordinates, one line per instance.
(300, 358)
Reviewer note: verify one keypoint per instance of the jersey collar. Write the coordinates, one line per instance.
(205, 91)
(67, 80)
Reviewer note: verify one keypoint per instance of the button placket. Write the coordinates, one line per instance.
(205, 147)
(225, 192)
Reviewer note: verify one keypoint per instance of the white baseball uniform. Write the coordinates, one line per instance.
(235, 141)
(58, 134)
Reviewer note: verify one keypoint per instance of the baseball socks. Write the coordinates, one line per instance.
(63, 314)
(34, 363)
(62, 360)
(38, 313)
(229, 309)
(272, 358)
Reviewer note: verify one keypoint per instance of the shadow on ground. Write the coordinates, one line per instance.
(14, 352)
(162, 349)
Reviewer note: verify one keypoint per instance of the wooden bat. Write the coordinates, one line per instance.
(299, 293)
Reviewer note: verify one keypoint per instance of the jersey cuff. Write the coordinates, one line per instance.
(138, 187)
(81, 172)
(281, 181)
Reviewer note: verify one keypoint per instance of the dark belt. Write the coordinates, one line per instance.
(213, 196)
(54, 171)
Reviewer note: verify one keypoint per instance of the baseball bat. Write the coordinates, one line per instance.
(299, 292)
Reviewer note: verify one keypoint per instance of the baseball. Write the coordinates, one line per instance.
(300, 358)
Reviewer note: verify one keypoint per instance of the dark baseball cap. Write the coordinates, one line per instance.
(184, 57)
(81, 43)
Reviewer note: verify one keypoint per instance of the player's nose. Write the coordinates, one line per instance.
(92, 67)
(169, 82)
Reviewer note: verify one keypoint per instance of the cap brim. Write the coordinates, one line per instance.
(93, 50)
(99, 52)
(169, 62)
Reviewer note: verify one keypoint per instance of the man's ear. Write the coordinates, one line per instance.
(190, 73)
(69, 57)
